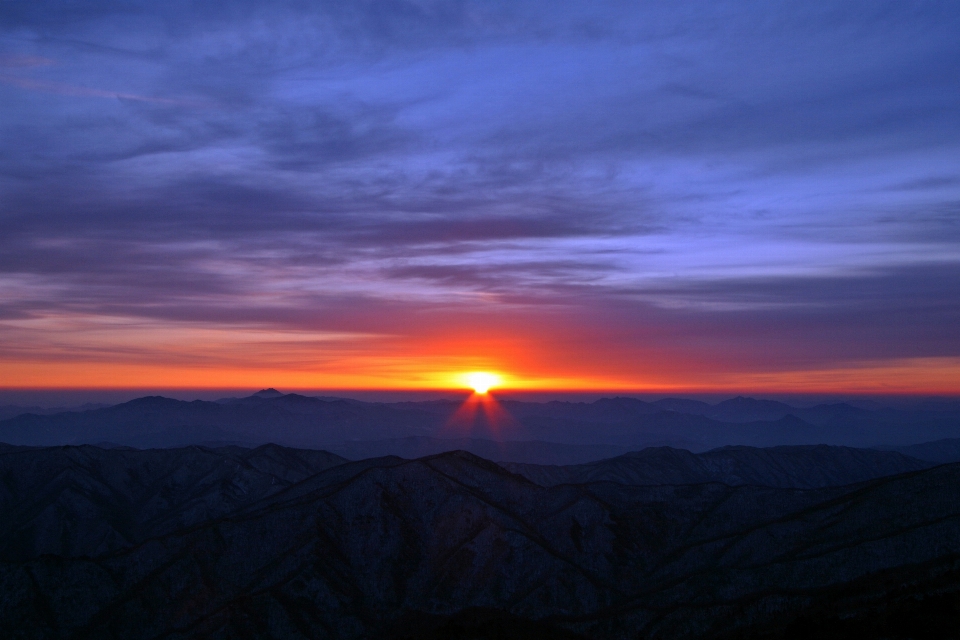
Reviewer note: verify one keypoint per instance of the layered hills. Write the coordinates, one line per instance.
(805, 467)
(274, 542)
(551, 432)
(286, 516)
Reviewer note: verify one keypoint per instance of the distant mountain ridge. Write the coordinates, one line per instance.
(530, 451)
(364, 427)
(8, 411)
(939, 451)
(803, 467)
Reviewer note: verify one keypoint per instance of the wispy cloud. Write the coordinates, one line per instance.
(645, 188)
(21, 61)
(64, 89)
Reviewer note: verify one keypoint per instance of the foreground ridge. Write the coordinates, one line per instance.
(277, 542)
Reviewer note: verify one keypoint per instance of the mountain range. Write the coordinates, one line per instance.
(508, 430)
(13, 410)
(275, 542)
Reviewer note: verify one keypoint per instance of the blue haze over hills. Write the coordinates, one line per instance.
(555, 432)
(172, 523)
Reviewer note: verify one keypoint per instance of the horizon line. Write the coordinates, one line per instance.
(495, 391)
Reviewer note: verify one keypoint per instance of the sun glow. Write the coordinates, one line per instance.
(482, 381)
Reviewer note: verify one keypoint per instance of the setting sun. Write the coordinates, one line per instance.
(481, 381)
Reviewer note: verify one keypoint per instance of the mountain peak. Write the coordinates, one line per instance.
(268, 393)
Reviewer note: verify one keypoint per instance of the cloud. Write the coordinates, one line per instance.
(20, 61)
(86, 92)
(775, 181)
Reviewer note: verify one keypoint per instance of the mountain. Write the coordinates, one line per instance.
(453, 546)
(289, 419)
(85, 500)
(263, 394)
(8, 411)
(805, 467)
(939, 451)
(681, 405)
(619, 424)
(742, 409)
(524, 451)
(267, 393)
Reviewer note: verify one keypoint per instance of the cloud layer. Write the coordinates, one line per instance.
(381, 193)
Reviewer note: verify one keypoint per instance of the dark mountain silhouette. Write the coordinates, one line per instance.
(156, 421)
(798, 466)
(926, 418)
(742, 409)
(530, 451)
(939, 451)
(274, 542)
(89, 501)
(680, 405)
(268, 393)
(367, 428)
(8, 411)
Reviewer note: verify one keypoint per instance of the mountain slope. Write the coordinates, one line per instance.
(787, 466)
(378, 549)
(939, 451)
(73, 501)
(534, 452)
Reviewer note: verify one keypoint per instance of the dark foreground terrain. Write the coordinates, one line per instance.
(283, 543)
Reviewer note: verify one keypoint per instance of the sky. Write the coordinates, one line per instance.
(387, 194)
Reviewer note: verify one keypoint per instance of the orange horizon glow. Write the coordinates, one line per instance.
(905, 378)
(545, 362)
(530, 348)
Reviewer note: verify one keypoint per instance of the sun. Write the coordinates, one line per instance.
(482, 381)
